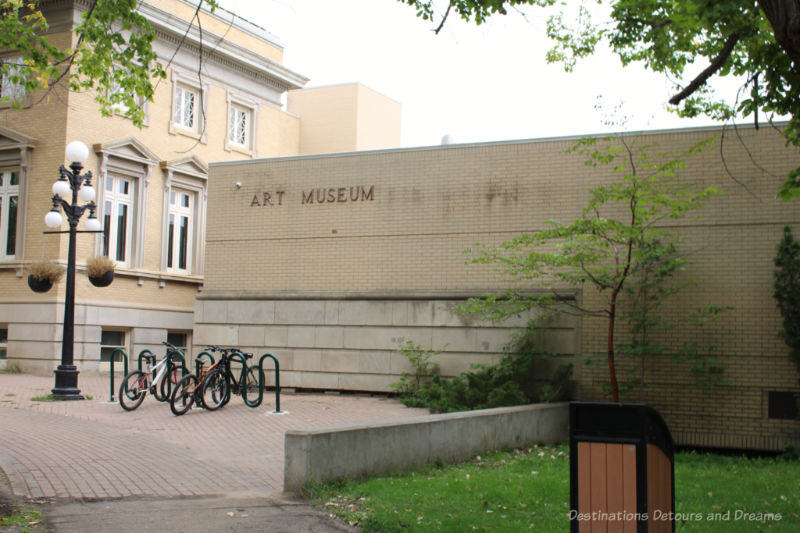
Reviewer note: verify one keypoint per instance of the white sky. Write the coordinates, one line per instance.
(475, 83)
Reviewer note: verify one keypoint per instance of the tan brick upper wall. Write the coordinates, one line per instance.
(399, 220)
(220, 25)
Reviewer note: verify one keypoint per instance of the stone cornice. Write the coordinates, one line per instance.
(172, 29)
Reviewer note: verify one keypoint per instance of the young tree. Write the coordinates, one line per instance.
(616, 239)
(113, 53)
(755, 40)
(787, 291)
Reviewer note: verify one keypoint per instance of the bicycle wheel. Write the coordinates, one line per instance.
(132, 390)
(229, 391)
(168, 384)
(214, 390)
(252, 385)
(183, 395)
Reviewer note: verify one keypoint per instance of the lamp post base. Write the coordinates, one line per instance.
(66, 383)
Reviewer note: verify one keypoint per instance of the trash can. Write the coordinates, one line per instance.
(621, 469)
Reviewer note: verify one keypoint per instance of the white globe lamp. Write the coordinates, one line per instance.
(87, 193)
(92, 224)
(77, 152)
(61, 188)
(53, 219)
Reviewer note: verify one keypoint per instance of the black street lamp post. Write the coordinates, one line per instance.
(71, 181)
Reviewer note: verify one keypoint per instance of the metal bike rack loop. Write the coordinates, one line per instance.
(125, 371)
(277, 410)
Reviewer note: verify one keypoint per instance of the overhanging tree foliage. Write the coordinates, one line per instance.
(616, 241)
(690, 41)
(112, 56)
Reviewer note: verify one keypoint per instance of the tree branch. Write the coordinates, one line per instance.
(444, 18)
(715, 65)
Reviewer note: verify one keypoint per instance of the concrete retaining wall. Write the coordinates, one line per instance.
(379, 448)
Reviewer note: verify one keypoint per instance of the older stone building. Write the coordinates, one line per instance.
(226, 103)
(333, 261)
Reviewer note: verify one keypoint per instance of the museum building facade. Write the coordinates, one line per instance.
(333, 261)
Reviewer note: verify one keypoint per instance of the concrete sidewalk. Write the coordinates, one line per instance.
(92, 464)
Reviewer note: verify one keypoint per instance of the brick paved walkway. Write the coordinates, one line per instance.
(93, 449)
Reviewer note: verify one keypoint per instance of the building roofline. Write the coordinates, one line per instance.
(175, 27)
(241, 23)
(489, 143)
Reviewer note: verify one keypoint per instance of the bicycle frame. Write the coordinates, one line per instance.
(163, 367)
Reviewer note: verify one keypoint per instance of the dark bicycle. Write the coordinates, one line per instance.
(220, 385)
(189, 390)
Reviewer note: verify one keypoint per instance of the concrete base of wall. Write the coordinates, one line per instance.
(351, 342)
(380, 448)
(35, 332)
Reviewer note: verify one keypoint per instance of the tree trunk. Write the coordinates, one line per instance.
(612, 371)
(784, 16)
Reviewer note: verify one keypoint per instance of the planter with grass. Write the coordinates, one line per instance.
(100, 271)
(43, 275)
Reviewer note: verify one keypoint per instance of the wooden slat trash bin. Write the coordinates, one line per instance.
(621, 469)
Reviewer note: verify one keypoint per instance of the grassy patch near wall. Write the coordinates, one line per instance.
(528, 490)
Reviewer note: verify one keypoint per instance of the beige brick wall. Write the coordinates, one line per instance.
(219, 24)
(273, 237)
(345, 118)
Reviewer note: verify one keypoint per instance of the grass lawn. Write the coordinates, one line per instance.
(528, 490)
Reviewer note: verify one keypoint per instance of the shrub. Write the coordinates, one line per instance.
(516, 380)
(424, 369)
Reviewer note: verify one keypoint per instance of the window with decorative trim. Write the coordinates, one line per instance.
(189, 106)
(126, 166)
(121, 108)
(185, 109)
(118, 213)
(15, 155)
(239, 126)
(180, 230)
(184, 215)
(12, 88)
(9, 212)
(242, 120)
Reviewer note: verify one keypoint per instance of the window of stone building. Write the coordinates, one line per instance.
(184, 215)
(242, 120)
(110, 340)
(120, 107)
(179, 339)
(126, 166)
(239, 126)
(118, 212)
(189, 106)
(180, 232)
(12, 88)
(186, 107)
(9, 212)
(3, 341)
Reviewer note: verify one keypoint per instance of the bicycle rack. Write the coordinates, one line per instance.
(243, 361)
(277, 410)
(125, 370)
(197, 367)
(141, 356)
